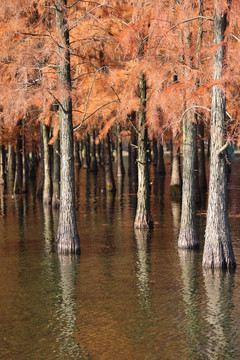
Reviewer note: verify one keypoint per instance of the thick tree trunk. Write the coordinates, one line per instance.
(67, 234)
(188, 238)
(201, 159)
(132, 162)
(47, 187)
(56, 174)
(120, 166)
(160, 159)
(109, 179)
(143, 218)
(176, 179)
(218, 251)
(93, 160)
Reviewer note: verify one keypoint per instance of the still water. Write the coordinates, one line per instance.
(131, 296)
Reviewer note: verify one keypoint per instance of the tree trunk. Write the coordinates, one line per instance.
(77, 159)
(132, 162)
(17, 187)
(93, 160)
(143, 218)
(176, 179)
(56, 173)
(67, 234)
(120, 166)
(2, 165)
(155, 151)
(188, 238)
(160, 159)
(47, 193)
(109, 179)
(201, 159)
(218, 251)
(86, 153)
(11, 166)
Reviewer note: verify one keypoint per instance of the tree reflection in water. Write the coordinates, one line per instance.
(219, 287)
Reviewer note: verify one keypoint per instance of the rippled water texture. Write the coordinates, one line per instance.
(131, 296)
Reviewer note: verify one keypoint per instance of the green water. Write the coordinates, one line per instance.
(132, 295)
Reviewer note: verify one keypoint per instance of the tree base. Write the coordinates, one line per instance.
(176, 190)
(67, 246)
(216, 257)
(188, 239)
(55, 202)
(143, 221)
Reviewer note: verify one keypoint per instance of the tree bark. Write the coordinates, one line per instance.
(120, 166)
(86, 153)
(93, 160)
(160, 159)
(56, 173)
(201, 159)
(143, 218)
(218, 251)
(188, 238)
(17, 187)
(77, 159)
(176, 179)
(2, 165)
(109, 179)
(47, 187)
(67, 234)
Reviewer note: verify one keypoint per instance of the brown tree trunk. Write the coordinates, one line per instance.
(155, 151)
(143, 218)
(160, 159)
(120, 166)
(77, 160)
(93, 160)
(176, 179)
(67, 234)
(17, 187)
(2, 165)
(41, 175)
(132, 162)
(109, 179)
(218, 251)
(86, 152)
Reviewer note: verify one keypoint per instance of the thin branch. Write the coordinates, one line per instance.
(59, 103)
(137, 131)
(224, 147)
(84, 119)
(91, 2)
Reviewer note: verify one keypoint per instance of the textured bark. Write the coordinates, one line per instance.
(218, 251)
(67, 234)
(41, 175)
(93, 160)
(176, 179)
(11, 166)
(132, 162)
(201, 159)
(47, 187)
(120, 166)
(160, 159)
(56, 174)
(109, 179)
(188, 238)
(143, 218)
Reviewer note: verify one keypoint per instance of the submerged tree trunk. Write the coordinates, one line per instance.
(67, 234)
(120, 166)
(218, 251)
(160, 159)
(56, 174)
(47, 196)
(2, 165)
(17, 187)
(93, 160)
(109, 179)
(143, 218)
(188, 238)
(176, 179)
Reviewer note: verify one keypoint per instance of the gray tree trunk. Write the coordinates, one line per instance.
(67, 234)
(143, 218)
(47, 187)
(56, 173)
(17, 187)
(120, 166)
(109, 179)
(188, 238)
(218, 251)
(93, 160)
(176, 178)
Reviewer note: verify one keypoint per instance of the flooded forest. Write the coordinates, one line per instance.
(119, 180)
